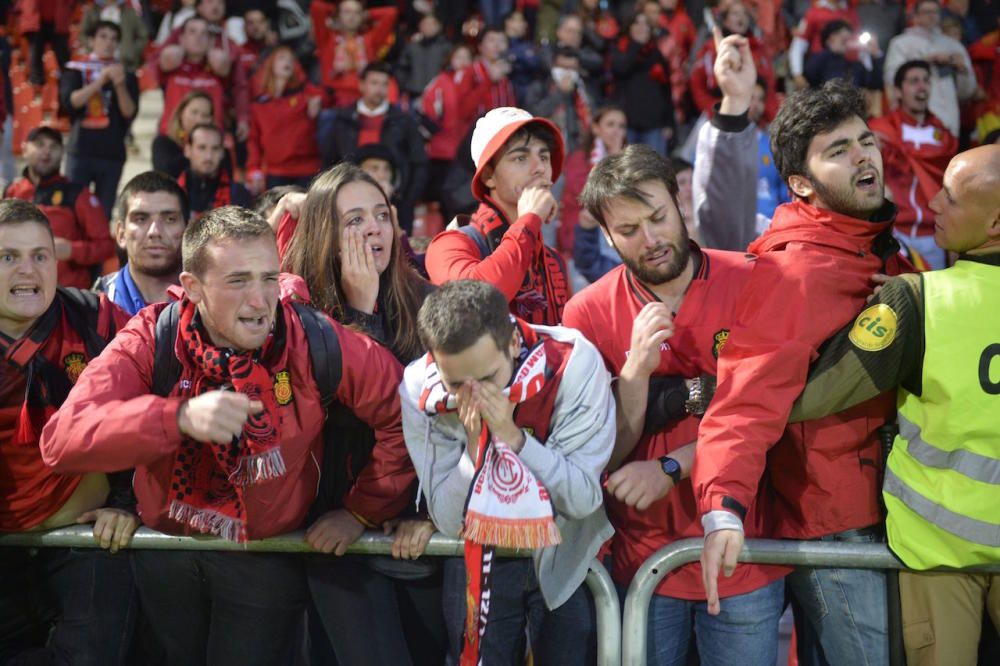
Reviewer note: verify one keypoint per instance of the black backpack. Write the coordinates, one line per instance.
(348, 440)
(83, 310)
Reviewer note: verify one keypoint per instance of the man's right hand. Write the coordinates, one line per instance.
(538, 199)
(722, 547)
(735, 72)
(652, 326)
(216, 416)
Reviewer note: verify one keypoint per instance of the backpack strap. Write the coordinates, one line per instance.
(477, 237)
(324, 351)
(83, 310)
(166, 367)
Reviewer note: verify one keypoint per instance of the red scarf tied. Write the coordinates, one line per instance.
(208, 479)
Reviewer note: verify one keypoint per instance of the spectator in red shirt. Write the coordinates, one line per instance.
(492, 88)
(344, 46)
(47, 336)
(82, 237)
(916, 148)
(46, 22)
(192, 65)
(517, 158)
(282, 146)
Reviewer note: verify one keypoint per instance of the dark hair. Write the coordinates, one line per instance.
(110, 25)
(264, 204)
(523, 136)
(219, 224)
(193, 17)
(44, 131)
(916, 5)
(377, 67)
(905, 68)
(619, 176)
(566, 52)
(832, 28)
(19, 211)
(807, 113)
(487, 30)
(679, 164)
(458, 314)
(205, 126)
(148, 181)
(314, 254)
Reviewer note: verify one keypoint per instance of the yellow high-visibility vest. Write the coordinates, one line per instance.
(942, 481)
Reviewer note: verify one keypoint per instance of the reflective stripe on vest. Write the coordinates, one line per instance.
(942, 483)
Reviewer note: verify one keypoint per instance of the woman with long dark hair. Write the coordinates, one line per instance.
(346, 248)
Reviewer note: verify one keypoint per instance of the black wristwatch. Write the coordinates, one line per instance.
(671, 468)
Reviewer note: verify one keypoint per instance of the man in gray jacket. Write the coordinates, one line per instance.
(509, 427)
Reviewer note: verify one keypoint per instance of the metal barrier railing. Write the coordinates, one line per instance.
(371, 543)
(844, 555)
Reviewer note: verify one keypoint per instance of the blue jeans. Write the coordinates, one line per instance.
(841, 615)
(653, 138)
(104, 174)
(745, 632)
(566, 635)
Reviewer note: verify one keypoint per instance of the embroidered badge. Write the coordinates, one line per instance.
(283, 388)
(74, 363)
(720, 338)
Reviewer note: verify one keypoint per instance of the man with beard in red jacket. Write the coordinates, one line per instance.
(814, 271)
(518, 157)
(232, 444)
(916, 148)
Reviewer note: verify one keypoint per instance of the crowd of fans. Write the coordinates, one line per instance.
(271, 330)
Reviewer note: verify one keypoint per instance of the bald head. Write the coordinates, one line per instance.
(967, 209)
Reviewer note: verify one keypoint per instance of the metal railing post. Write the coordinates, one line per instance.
(371, 543)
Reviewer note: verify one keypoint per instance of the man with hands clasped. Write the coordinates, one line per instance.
(518, 157)
(666, 312)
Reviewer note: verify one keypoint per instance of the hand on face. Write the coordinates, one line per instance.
(538, 199)
(359, 277)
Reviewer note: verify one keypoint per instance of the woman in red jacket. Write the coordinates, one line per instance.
(282, 147)
(447, 101)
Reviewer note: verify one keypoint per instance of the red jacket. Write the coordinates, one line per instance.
(339, 68)
(914, 158)
(812, 277)
(111, 421)
(76, 215)
(531, 275)
(34, 12)
(705, 90)
(191, 77)
(451, 102)
(575, 173)
(282, 139)
(816, 18)
(490, 94)
(31, 490)
(604, 313)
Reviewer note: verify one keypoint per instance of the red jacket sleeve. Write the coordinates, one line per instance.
(762, 370)
(369, 387)
(700, 93)
(254, 160)
(379, 37)
(454, 256)
(110, 421)
(96, 245)
(284, 232)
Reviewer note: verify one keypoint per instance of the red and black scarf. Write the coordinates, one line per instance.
(223, 191)
(208, 479)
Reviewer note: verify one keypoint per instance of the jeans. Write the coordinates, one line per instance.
(104, 174)
(653, 138)
(87, 597)
(222, 608)
(745, 631)
(841, 615)
(350, 599)
(565, 635)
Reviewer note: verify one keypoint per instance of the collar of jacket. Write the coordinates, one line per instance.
(800, 222)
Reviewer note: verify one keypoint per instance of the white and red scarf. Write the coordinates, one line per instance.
(507, 506)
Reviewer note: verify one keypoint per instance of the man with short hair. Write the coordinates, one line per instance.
(48, 335)
(952, 78)
(207, 184)
(814, 270)
(149, 223)
(916, 148)
(667, 312)
(374, 120)
(562, 98)
(80, 227)
(518, 157)
(940, 488)
(101, 98)
(498, 399)
(223, 423)
(490, 83)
